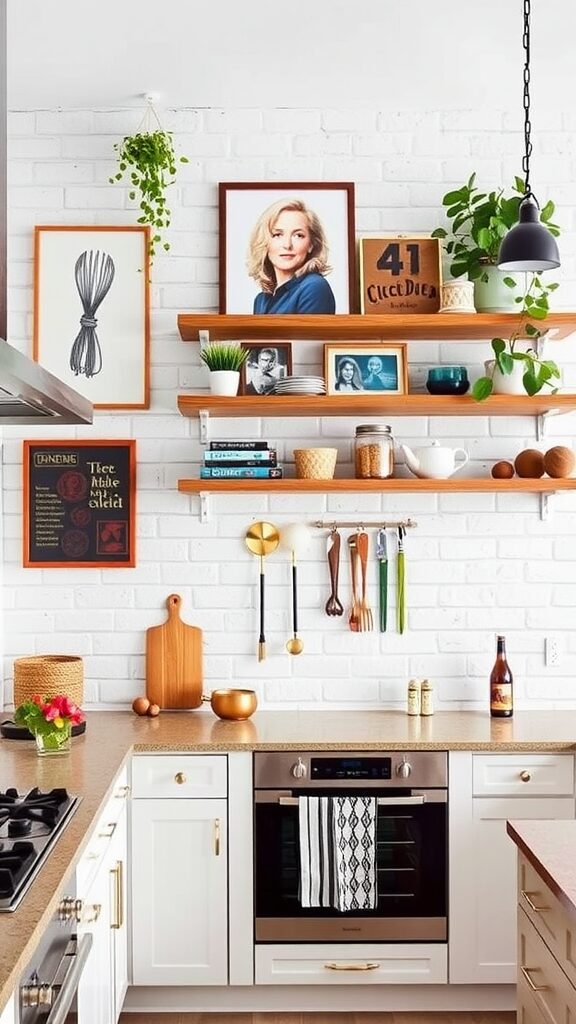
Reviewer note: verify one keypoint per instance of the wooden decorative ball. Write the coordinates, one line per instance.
(529, 463)
(559, 461)
(502, 470)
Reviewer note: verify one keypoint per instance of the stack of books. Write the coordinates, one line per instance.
(244, 460)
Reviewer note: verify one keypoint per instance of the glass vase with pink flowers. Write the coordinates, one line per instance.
(50, 720)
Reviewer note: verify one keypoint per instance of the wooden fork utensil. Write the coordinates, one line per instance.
(366, 619)
(354, 617)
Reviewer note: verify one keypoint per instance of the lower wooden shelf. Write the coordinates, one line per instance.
(545, 485)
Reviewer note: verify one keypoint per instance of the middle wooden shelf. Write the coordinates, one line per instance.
(375, 405)
(482, 485)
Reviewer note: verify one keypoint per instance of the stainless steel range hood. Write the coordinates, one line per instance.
(28, 393)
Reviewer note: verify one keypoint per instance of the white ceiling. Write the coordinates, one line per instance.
(391, 54)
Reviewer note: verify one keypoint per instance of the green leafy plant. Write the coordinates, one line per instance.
(148, 158)
(51, 718)
(224, 357)
(479, 222)
(538, 373)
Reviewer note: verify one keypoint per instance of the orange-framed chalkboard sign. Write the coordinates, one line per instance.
(79, 504)
(400, 274)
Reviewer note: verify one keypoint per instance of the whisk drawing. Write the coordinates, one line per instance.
(94, 274)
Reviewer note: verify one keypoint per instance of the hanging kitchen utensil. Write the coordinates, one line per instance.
(333, 604)
(262, 539)
(174, 661)
(382, 556)
(295, 645)
(362, 546)
(354, 616)
(401, 584)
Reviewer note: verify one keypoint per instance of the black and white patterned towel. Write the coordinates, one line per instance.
(338, 852)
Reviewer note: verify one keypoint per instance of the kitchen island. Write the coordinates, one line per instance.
(112, 737)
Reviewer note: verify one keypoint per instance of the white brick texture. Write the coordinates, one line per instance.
(476, 564)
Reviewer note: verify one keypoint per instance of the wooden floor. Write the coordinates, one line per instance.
(476, 1017)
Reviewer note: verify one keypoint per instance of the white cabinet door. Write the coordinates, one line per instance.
(179, 892)
(95, 988)
(117, 863)
(482, 873)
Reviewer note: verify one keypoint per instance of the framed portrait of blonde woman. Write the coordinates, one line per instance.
(351, 369)
(287, 247)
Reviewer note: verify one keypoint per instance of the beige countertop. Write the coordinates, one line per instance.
(550, 846)
(111, 736)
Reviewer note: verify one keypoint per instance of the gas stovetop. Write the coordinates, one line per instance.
(29, 826)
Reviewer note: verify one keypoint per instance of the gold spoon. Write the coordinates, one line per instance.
(295, 645)
(262, 539)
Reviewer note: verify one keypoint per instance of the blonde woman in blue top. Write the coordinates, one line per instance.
(288, 257)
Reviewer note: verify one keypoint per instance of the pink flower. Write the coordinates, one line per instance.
(60, 709)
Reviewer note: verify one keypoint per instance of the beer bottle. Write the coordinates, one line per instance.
(501, 683)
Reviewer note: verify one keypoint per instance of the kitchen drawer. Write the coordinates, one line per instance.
(549, 917)
(549, 987)
(522, 774)
(179, 776)
(337, 964)
(102, 832)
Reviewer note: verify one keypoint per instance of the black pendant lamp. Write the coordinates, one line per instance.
(528, 246)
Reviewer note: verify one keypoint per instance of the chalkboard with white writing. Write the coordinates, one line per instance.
(79, 504)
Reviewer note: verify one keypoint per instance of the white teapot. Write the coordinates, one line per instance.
(434, 462)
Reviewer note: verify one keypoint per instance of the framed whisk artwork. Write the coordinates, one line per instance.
(92, 311)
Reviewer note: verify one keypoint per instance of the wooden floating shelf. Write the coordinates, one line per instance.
(354, 327)
(375, 405)
(544, 485)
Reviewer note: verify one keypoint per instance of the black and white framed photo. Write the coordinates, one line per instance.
(368, 369)
(287, 247)
(92, 311)
(265, 365)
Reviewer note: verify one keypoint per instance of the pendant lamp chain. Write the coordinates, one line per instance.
(526, 101)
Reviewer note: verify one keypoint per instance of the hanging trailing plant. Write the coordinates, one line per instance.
(148, 158)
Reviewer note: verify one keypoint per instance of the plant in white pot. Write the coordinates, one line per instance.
(515, 369)
(224, 363)
(480, 220)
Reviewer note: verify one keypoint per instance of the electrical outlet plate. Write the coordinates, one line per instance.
(552, 651)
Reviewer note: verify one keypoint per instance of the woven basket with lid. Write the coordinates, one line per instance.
(49, 675)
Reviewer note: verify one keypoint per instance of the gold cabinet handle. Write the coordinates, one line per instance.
(217, 837)
(531, 904)
(180, 778)
(525, 776)
(535, 988)
(111, 826)
(368, 966)
(118, 873)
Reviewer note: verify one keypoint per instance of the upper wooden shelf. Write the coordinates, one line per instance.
(354, 327)
(375, 405)
(482, 485)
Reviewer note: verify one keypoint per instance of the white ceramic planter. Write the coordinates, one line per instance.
(506, 383)
(493, 296)
(224, 382)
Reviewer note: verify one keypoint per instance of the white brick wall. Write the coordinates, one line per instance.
(476, 563)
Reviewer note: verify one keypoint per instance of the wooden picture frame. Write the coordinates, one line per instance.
(79, 504)
(92, 311)
(319, 279)
(350, 368)
(400, 274)
(266, 363)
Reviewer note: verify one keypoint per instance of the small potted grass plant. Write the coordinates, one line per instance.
(224, 363)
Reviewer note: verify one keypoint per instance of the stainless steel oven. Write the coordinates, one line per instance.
(411, 857)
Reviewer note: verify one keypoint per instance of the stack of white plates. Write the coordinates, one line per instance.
(300, 386)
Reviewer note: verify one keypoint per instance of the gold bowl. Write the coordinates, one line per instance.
(236, 705)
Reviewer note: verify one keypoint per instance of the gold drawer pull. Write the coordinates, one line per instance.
(111, 826)
(180, 778)
(368, 966)
(525, 776)
(118, 875)
(537, 910)
(217, 836)
(535, 988)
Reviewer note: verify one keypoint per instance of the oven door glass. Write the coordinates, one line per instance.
(411, 860)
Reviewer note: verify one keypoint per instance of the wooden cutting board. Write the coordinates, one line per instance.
(174, 661)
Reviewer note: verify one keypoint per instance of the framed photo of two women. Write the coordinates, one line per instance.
(287, 247)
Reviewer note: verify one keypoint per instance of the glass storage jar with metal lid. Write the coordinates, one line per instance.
(373, 451)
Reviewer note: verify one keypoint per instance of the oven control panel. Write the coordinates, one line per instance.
(370, 768)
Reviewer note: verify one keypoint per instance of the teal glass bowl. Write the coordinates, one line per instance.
(447, 380)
